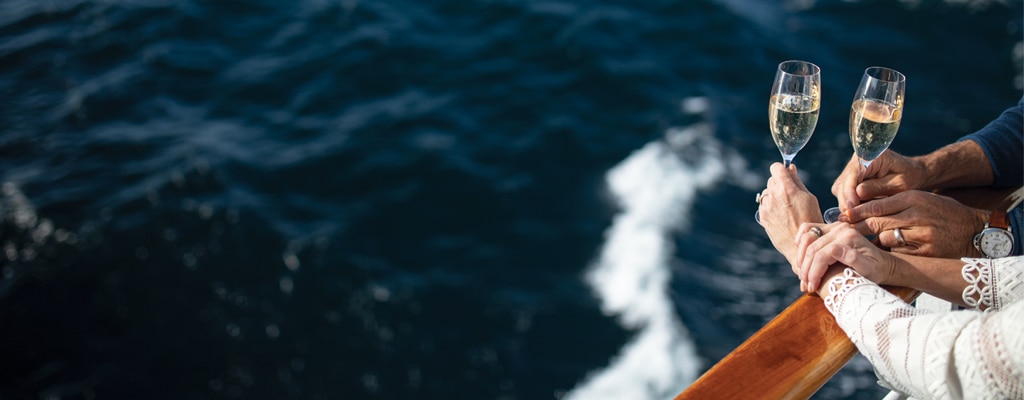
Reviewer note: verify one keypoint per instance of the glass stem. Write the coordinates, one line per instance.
(863, 170)
(787, 160)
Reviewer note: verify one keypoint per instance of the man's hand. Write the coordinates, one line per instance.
(931, 225)
(887, 175)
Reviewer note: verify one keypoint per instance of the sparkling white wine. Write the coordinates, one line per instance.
(792, 118)
(873, 125)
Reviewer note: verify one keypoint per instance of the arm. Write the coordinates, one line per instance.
(930, 355)
(990, 156)
(960, 164)
(980, 283)
(963, 281)
(1002, 141)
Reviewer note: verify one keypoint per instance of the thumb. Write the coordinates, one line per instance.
(878, 187)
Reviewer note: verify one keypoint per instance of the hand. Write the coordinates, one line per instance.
(843, 244)
(887, 175)
(931, 225)
(785, 204)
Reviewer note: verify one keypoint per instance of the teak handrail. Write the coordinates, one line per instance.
(791, 357)
(799, 350)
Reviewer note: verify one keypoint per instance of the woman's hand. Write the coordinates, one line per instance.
(785, 204)
(838, 243)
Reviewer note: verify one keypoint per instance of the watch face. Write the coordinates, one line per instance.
(996, 243)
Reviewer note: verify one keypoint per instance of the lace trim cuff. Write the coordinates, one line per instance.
(841, 285)
(977, 272)
(992, 283)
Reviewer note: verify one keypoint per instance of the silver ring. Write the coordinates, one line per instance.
(817, 231)
(899, 237)
(758, 197)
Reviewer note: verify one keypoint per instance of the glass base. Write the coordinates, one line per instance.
(831, 215)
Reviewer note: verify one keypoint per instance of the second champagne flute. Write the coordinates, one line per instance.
(874, 119)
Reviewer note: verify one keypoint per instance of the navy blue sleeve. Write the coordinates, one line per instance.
(1003, 143)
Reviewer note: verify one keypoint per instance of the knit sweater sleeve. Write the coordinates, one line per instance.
(1003, 141)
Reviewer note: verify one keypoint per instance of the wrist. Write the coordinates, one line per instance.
(902, 272)
(930, 166)
(833, 271)
(919, 168)
(978, 224)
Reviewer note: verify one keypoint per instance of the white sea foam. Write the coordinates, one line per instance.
(655, 187)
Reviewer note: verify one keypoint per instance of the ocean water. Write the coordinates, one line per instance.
(501, 199)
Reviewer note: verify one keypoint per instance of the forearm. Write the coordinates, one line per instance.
(927, 354)
(939, 277)
(960, 164)
(971, 282)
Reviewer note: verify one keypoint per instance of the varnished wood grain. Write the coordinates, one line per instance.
(791, 357)
(799, 350)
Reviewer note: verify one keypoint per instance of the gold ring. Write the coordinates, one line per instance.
(817, 231)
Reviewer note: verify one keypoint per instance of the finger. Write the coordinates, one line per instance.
(801, 253)
(835, 251)
(796, 177)
(832, 232)
(780, 173)
(822, 260)
(809, 258)
(888, 238)
(879, 208)
(804, 238)
(883, 227)
(845, 186)
(914, 250)
(874, 188)
(863, 228)
(880, 180)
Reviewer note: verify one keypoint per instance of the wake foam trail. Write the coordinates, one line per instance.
(656, 187)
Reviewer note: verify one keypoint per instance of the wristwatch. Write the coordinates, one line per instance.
(996, 240)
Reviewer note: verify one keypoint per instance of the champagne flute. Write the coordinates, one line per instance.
(874, 119)
(793, 108)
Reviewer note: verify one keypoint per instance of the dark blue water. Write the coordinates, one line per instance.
(427, 199)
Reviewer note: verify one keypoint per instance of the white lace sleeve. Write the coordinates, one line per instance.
(993, 283)
(947, 355)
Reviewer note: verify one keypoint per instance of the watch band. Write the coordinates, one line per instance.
(998, 218)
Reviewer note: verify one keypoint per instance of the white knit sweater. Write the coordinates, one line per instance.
(967, 354)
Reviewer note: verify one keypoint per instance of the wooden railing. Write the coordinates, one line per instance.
(791, 357)
(799, 350)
